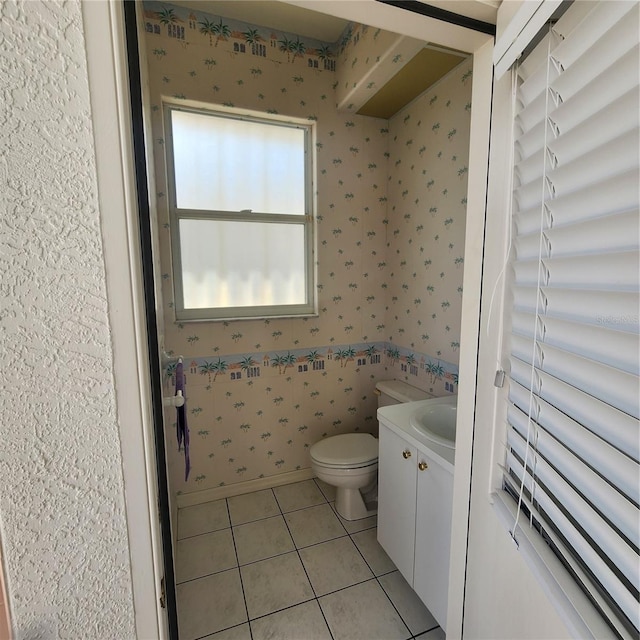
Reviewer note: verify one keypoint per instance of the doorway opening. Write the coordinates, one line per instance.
(169, 510)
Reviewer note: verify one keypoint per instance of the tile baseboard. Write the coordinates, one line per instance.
(238, 488)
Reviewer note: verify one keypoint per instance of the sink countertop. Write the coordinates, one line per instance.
(397, 418)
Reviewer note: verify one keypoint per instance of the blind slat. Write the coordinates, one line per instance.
(617, 232)
(611, 309)
(570, 20)
(537, 58)
(580, 210)
(596, 416)
(537, 82)
(607, 384)
(577, 506)
(531, 168)
(625, 600)
(620, 470)
(598, 59)
(530, 142)
(608, 234)
(531, 114)
(615, 271)
(611, 159)
(619, 193)
(613, 348)
(619, 118)
(596, 95)
(594, 26)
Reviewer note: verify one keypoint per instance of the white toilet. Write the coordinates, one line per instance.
(349, 461)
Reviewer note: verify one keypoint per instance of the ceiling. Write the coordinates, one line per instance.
(426, 68)
(421, 72)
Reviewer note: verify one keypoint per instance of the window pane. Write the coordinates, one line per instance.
(224, 164)
(241, 264)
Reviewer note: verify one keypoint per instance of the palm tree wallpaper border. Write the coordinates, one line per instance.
(183, 24)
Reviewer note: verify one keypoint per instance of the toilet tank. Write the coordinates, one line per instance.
(396, 392)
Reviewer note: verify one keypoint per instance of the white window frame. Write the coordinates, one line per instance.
(308, 220)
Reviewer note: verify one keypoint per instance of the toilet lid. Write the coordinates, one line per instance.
(347, 449)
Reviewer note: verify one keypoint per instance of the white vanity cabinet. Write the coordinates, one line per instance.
(397, 473)
(415, 499)
(434, 505)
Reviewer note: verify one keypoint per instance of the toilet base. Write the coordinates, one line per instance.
(351, 505)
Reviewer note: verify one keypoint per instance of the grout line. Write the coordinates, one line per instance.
(208, 575)
(291, 606)
(355, 584)
(235, 626)
(309, 506)
(317, 544)
(297, 550)
(204, 533)
(244, 595)
(376, 578)
(275, 555)
(309, 579)
(241, 524)
(411, 634)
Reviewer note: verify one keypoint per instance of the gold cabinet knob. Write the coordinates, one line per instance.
(422, 465)
(406, 454)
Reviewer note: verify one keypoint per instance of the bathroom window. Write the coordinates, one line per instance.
(242, 227)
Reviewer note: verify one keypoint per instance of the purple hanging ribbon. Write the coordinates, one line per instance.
(182, 427)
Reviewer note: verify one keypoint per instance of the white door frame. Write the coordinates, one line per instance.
(106, 55)
(110, 113)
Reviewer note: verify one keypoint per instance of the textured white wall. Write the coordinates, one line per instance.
(62, 513)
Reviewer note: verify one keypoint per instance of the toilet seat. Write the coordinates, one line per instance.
(346, 451)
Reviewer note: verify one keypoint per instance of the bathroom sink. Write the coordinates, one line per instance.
(437, 423)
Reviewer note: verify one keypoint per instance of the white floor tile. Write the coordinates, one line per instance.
(241, 632)
(210, 604)
(415, 615)
(202, 518)
(205, 554)
(298, 495)
(353, 526)
(334, 565)
(313, 525)
(262, 539)
(329, 491)
(302, 621)
(373, 553)
(270, 585)
(363, 612)
(253, 506)
(434, 634)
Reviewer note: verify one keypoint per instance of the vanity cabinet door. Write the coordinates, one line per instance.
(397, 500)
(434, 507)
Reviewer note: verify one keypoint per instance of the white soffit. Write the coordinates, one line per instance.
(384, 16)
(483, 10)
(275, 15)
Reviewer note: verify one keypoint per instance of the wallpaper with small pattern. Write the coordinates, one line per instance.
(261, 392)
(367, 59)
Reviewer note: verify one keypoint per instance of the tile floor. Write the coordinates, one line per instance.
(280, 564)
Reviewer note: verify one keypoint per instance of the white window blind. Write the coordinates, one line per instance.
(573, 438)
